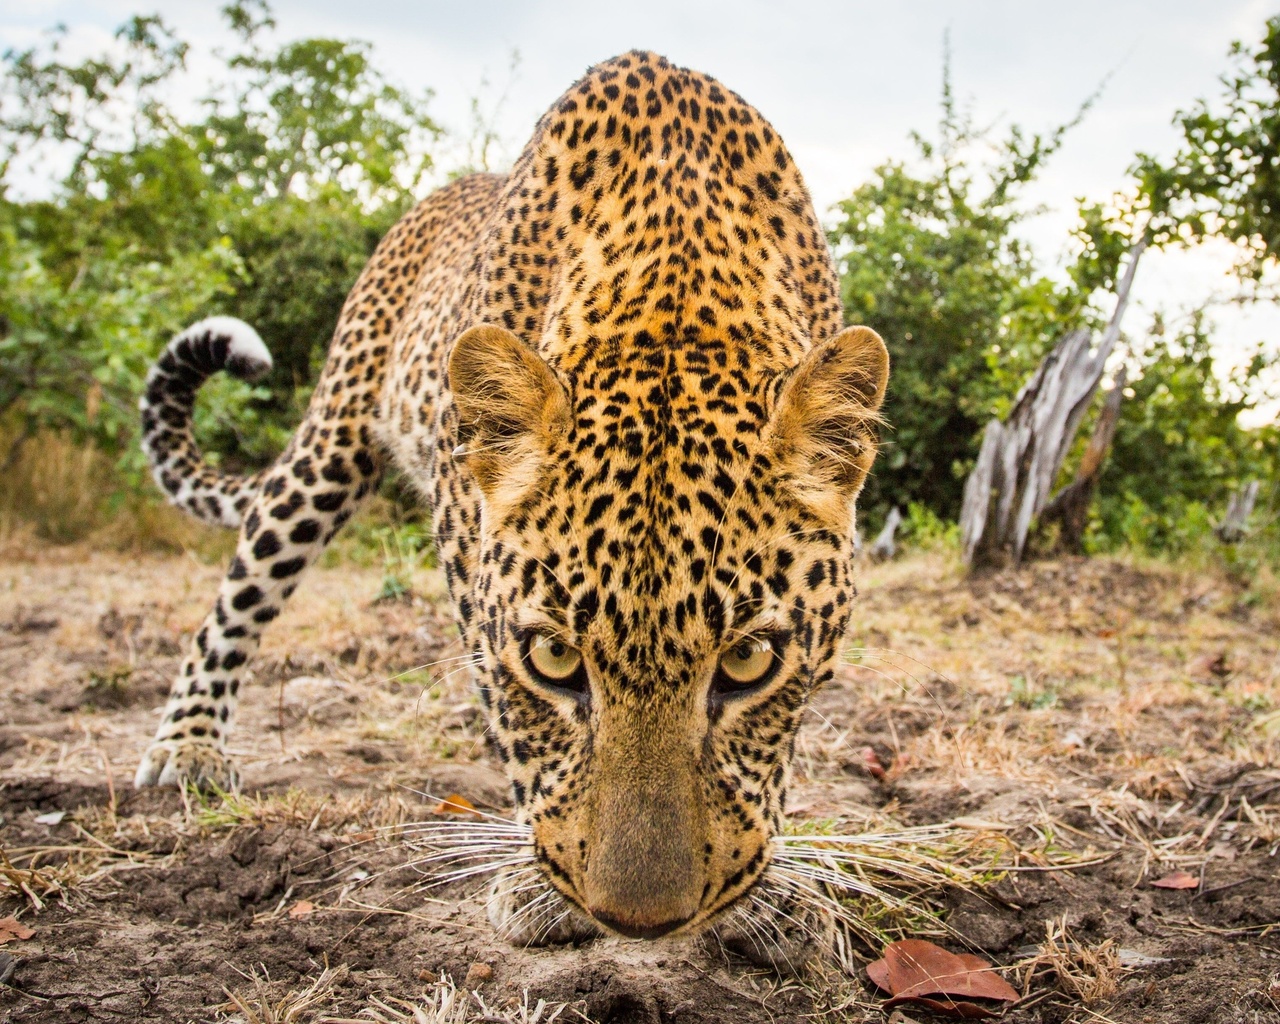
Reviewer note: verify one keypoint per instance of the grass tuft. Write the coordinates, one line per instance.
(260, 1003)
(445, 1003)
(1090, 974)
(884, 883)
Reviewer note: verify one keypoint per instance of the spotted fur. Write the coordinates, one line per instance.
(204, 348)
(619, 377)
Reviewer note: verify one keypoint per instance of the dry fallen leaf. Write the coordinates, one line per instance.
(1177, 880)
(925, 974)
(301, 909)
(477, 975)
(11, 929)
(455, 804)
(872, 762)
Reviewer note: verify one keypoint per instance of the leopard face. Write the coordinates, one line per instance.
(663, 581)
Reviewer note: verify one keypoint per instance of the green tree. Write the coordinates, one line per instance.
(313, 114)
(299, 260)
(269, 202)
(73, 355)
(1179, 449)
(930, 258)
(103, 105)
(1225, 181)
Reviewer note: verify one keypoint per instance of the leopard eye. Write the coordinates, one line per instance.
(746, 665)
(554, 662)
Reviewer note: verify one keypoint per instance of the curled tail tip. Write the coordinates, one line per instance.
(218, 343)
(223, 343)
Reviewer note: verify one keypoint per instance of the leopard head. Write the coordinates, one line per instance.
(665, 575)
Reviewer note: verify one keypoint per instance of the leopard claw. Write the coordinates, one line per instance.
(177, 763)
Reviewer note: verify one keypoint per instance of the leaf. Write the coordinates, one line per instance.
(872, 762)
(455, 804)
(916, 971)
(1177, 880)
(951, 1007)
(878, 972)
(301, 909)
(11, 929)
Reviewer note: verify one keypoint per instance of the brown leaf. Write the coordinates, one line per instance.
(917, 971)
(477, 974)
(878, 972)
(11, 929)
(948, 1007)
(301, 909)
(872, 762)
(455, 804)
(1177, 880)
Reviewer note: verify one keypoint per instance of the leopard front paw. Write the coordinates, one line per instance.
(527, 911)
(177, 763)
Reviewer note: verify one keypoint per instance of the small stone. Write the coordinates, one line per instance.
(477, 975)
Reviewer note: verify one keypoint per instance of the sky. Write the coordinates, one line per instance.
(843, 82)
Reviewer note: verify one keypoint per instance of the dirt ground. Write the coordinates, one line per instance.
(1119, 717)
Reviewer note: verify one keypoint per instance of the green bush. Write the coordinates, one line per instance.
(930, 257)
(923, 529)
(265, 207)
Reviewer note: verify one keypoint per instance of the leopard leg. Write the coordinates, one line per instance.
(303, 502)
(332, 465)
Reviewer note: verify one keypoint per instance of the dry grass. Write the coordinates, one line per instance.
(1090, 974)
(1106, 668)
(42, 873)
(61, 490)
(261, 1001)
(55, 484)
(296, 808)
(444, 1003)
(1049, 718)
(883, 882)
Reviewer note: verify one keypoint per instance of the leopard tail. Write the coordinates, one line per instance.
(179, 467)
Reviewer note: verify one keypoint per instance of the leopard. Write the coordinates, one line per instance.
(619, 378)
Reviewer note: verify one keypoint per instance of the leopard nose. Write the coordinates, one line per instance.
(634, 929)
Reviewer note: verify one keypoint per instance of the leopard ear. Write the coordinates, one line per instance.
(825, 420)
(510, 404)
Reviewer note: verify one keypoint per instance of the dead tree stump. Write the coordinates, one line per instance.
(1069, 508)
(1020, 458)
(1235, 524)
(884, 547)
